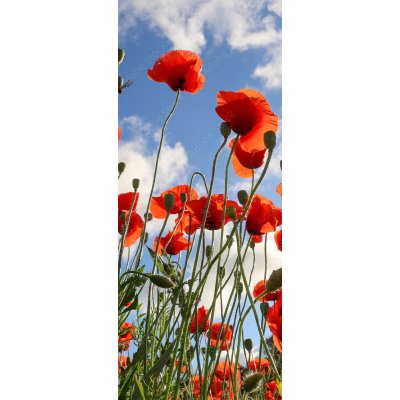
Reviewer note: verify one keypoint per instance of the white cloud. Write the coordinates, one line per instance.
(139, 155)
(242, 24)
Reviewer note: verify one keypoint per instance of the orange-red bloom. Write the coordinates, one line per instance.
(271, 393)
(202, 323)
(193, 216)
(224, 370)
(122, 363)
(274, 320)
(259, 365)
(180, 70)
(249, 115)
(261, 287)
(157, 207)
(278, 239)
(244, 162)
(172, 243)
(136, 223)
(127, 331)
(263, 216)
(279, 189)
(220, 335)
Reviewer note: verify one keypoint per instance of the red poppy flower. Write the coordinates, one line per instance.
(157, 207)
(202, 324)
(279, 189)
(127, 331)
(256, 238)
(193, 216)
(221, 335)
(180, 70)
(278, 239)
(122, 363)
(249, 115)
(274, 320)
(224, 388)
(177, 243)
(244, 162)
(136, 223)
(119, 134)
(224, 370)
(271, 393)
(261, 287)
(259, 365)
(263, 216)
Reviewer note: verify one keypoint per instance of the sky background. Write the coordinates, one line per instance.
(240, 45)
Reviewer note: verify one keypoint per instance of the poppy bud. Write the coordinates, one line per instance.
(252, 244)
(275, 280)
(135, 183)
(239, 287)
(225, 129)
(242, 196)
(169, 201)
(252, 382)
(161, 281)
(221, 272)
(231, 213)
(183, 197)
(209, 251)
(145, 238)
(270, 140)
(264, 307)
(120, 82)
(248, 344)
(148, 216)
(121, 55)
(121, 167)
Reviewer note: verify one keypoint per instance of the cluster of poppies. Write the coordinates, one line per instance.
(248, 114)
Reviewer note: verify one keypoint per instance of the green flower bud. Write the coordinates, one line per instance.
(252, 245)
(252, 382)
(225, 129)
(183, 197)
(209, 251)
(231, 213)
(221, 271)
(120, 82)
(169, 201)
(264, 307)
(242, 196)
(270, 140)
(121, 55)
(248, 344)
(135, 183)
(161, 281)
(275, 280)
(148, 216)
(239, 287)
(121, 167)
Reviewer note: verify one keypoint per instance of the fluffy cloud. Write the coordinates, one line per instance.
(139, 154)
(242, 24)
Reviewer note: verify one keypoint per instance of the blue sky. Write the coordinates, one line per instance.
(239, 43)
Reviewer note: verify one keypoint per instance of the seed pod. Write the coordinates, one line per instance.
(135, 183)
(148, 216)
(242, 196)
(169, 201)
(248, 344)
(270, 140)
(231, 213)
(121, 167)
(252, 382)
(161, 281)
(225, 129)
